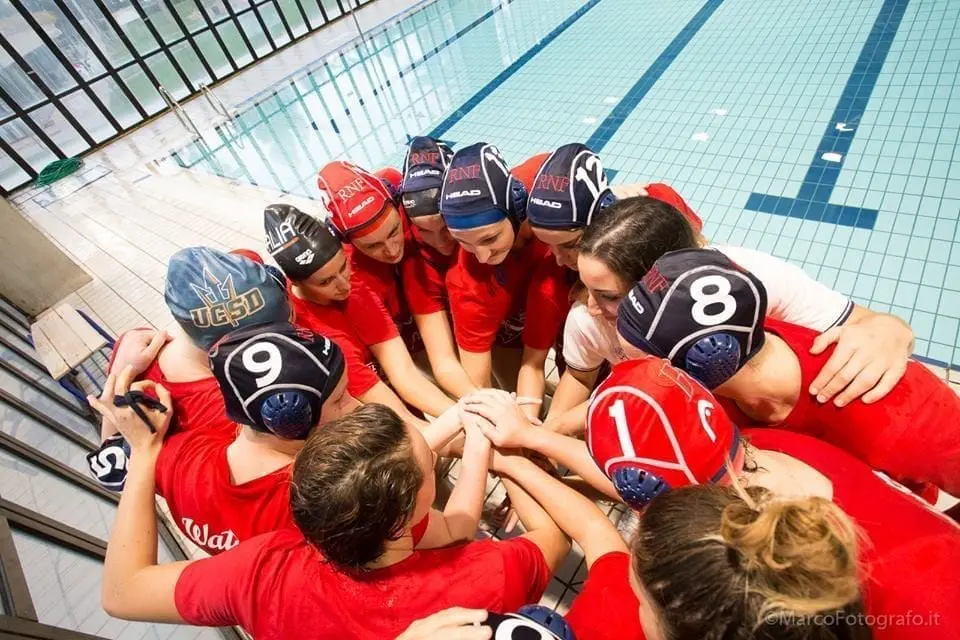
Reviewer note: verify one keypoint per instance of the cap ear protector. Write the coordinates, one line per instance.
(713, 359)
(531, 622)
(288, 414)
(605, 201)
(276, 378)
(517, 205)
(637, 487)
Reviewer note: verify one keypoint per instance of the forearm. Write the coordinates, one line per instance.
(893, 324)
(130, 589)
(576, 515)
(445, 428)
(572, 454)
(452, 378)
(418, 391)
(380, 393)
(570, 423)
(441, 352)
(570, 393)
(479, 367)
(530, 384)
(531, 514)
(462, 513)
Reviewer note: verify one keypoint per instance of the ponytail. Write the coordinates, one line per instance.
(731, 563)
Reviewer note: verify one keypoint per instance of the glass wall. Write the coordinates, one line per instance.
(76, 73)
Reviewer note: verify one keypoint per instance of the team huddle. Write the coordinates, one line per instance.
(776, 449)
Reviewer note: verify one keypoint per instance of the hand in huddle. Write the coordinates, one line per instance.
(870, 358)
(450, 624)
(503, 422)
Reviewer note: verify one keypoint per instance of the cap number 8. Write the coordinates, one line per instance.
(702, 300)
(270, 366)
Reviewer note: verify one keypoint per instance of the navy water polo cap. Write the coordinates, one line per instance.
(478, 190)
(299, 243)
(570, 188)
(423, 168)
(211, 293)
(698, 309)
(275, 378)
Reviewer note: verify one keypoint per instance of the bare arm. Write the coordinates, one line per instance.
(570, 423)
(541, 530)
(573, 389)
(407, 379)
(479, 366)
(380, 393)
(531, 380)
(135, 587)
(461, 516)
(577, 516)
(507, 428)
(438, 339)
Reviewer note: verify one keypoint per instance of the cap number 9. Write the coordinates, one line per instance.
(270, 366)
(702, 300)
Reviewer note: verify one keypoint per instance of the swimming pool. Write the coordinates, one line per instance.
(824, 132)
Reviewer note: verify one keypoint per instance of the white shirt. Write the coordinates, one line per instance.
(792, 296)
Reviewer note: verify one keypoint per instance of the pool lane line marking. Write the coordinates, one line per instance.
(813, 200)
(507, 73)
(632, 98)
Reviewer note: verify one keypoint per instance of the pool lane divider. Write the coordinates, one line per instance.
(813, 200)
(622, 110)
(507, 73)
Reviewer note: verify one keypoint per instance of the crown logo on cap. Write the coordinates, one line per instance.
(221, 304)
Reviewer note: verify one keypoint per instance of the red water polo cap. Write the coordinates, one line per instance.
(356, 198)
(652, 417)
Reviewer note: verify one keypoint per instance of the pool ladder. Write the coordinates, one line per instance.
(180, 112)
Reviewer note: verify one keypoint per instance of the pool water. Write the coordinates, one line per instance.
(823, 131)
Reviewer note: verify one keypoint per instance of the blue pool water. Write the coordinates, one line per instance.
(823, 131)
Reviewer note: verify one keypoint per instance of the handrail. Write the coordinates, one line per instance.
(215, 102)
(181, 114)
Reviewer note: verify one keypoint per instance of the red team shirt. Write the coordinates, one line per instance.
(413, 287)
(909, 555)
(607, 608)
(278, 586)
(905, 434)
(194, 477)
(423, 274)
(911, 552)
(355, 325)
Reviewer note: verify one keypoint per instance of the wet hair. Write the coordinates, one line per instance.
(725, 563)
(355, 486)
(631, 234)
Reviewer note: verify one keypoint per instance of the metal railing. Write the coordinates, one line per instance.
(180, 112)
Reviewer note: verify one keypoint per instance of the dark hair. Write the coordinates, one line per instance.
(734, 564)
(355, 485)
(631, 234)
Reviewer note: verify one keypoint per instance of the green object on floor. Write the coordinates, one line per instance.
(56, 170)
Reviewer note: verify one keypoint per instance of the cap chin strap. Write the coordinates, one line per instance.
(287, 415)
(713, 359)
